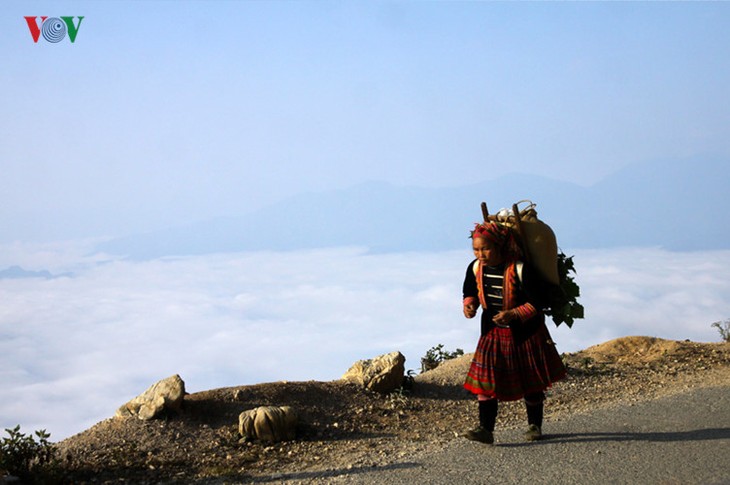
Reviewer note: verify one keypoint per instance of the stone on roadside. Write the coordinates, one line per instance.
(268, 423)
(382, 374)
(164, 395)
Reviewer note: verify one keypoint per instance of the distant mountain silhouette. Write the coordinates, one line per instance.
(16, 272)
(685, 211)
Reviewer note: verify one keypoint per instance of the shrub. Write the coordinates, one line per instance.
(724, 329)
(435, 355)
(30, 460)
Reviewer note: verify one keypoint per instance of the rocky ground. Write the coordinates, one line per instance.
(343, 427)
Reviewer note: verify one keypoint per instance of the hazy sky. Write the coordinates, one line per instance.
(164, 112)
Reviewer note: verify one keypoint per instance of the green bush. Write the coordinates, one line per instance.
(724, 329)
(435, 355)
(30, 460)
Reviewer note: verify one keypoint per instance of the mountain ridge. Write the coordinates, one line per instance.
(628, 208)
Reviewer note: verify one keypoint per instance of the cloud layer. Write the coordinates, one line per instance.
(73, 349)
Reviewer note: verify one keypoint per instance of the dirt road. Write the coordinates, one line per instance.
(681, 439)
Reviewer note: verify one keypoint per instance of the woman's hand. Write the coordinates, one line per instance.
(470, 310)
(505, 317)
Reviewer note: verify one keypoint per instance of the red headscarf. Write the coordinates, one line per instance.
(499, 235)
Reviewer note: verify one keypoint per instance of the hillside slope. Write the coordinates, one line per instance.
(344, 429)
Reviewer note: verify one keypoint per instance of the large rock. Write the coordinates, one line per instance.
(381, 374)
(165, 395)
(268, 423)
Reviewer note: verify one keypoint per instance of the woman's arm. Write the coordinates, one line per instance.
(470, 293)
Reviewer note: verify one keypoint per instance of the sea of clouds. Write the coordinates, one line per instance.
(75, 347)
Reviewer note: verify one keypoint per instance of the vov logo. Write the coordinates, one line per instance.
(54, 29)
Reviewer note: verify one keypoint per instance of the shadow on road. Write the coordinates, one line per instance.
(657, 436)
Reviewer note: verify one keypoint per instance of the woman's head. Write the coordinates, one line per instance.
(494, 242)
(487, 252)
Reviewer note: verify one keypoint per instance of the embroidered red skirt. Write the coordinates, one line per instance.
(507, 369)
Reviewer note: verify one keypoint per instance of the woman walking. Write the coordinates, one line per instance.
(515, 356)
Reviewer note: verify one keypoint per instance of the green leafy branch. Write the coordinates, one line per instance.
(564, 307)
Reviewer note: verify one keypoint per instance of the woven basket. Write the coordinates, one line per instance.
(536, 238)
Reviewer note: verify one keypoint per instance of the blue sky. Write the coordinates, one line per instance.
(163, 112)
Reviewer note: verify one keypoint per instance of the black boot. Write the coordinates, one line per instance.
(487, 418)
(534, 406)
